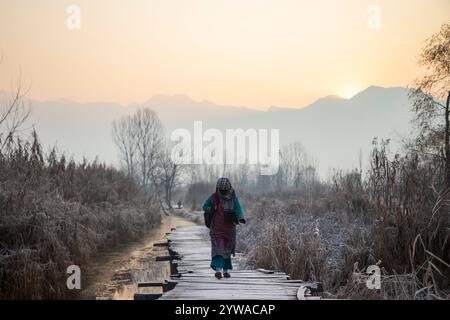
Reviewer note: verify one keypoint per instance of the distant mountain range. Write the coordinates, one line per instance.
(333, 130)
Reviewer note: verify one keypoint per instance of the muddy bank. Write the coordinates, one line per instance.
(115, 274)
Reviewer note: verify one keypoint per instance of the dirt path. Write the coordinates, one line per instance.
(114, 275)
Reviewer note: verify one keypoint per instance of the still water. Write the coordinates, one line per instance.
(114, 275)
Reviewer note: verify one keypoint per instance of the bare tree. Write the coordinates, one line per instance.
(166, 176)
(14, 112)
(294, 161)
(192, 177)
(242, 175)
(124, 135)
(434, 85)
(142, 146)
(150, 141)
(140, 140)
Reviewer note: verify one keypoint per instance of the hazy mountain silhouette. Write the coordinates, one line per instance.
(332, 129)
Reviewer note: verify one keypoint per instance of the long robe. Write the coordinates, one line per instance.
(222, 233)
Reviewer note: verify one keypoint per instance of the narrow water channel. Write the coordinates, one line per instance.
(114, 275)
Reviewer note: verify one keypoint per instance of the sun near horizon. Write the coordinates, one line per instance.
(349, 91)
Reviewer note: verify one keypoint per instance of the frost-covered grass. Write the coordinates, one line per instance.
(55, 213)
(332, 231)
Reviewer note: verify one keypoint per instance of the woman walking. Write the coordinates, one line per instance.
(226, 212)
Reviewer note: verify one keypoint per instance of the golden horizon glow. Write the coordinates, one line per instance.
(349, 91)
(252, 53)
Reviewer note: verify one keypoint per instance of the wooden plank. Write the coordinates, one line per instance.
(240, 282)
(166, 258)
(265, 271)
(161, 244)
(249, 276)
(150, 284)
(147, 296)
(192, 278)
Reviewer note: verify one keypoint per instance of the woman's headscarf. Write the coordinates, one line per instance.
(224, 184)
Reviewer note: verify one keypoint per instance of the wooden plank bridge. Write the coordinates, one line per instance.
(192, 278)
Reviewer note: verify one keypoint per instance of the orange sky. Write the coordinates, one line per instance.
(253, 53)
